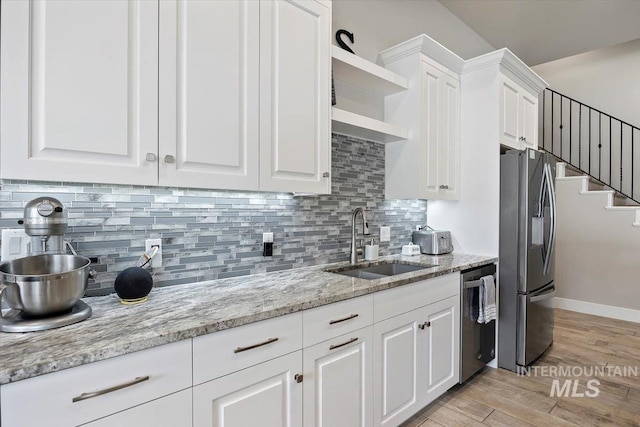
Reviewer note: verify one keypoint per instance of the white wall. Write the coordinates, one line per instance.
(380, 24)
(597, 249)
(606, 79)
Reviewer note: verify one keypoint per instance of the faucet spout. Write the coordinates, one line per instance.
(365, 231)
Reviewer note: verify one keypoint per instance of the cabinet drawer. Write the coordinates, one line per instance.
(233, 349)
(49, 399)
(323, 323)
(394, 302)
(169, 411)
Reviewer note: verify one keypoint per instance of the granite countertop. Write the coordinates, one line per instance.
(180, 312)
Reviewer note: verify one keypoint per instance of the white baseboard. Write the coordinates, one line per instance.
(610, 311)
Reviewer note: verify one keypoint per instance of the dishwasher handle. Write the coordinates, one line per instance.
(468, 284)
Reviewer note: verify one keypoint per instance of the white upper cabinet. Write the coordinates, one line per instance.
(518, 115)
(80, 91)
(209, 94)
(427, 164)
(229, 94)
(441, 145)
(295, 127)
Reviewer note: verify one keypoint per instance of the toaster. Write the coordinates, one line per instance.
(433, 242)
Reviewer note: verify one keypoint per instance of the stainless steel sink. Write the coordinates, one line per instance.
(380, 270)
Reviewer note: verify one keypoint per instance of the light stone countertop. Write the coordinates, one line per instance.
(185, 311)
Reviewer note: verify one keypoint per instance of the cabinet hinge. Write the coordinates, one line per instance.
(298, 378)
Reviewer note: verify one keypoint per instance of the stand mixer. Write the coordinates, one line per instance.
(43, 290)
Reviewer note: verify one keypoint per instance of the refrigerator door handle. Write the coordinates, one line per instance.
(547, 295)
(552, 209)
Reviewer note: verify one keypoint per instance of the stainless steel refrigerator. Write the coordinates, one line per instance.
(527, 258)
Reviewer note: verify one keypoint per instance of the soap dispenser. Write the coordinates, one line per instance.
(371, 251)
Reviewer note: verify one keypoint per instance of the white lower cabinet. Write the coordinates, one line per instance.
(76, 396)
(396, 368)
(338, 381)
(441, 349)
(267, 394)
(415, 357)
(369, 361)
(170, 411)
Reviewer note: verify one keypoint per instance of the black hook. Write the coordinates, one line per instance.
(341, 43)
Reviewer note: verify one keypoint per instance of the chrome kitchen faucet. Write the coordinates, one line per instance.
(365, 230)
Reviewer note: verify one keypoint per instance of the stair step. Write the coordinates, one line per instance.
(622, 208)
(620, 200)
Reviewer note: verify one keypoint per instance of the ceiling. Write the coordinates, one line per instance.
(539, 31)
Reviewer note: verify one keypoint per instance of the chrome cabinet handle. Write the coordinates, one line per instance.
(344, 319)
(151, 157)
(85, 396)
(444, 187)
(333, 347)
(325, 175)
(169, 158)
(251, 347)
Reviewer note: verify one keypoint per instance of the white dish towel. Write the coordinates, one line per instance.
(487, 303)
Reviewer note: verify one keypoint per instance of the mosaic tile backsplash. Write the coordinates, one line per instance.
(208, 234)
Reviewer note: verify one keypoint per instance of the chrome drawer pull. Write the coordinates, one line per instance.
(353, 316)
(85, 396)
(333, 347)
(250, 347)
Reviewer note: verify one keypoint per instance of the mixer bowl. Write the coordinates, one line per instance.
(44, 285)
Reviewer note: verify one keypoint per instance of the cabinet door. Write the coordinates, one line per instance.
(262, 395)
(449, 139)
(440, 348)
(209, 93)
(440, 134)
(295, 120)
(395, 368)
(509, 113)
(431, 121)
(80, 91)
(337, 381)
(529, 120)
(170, 411)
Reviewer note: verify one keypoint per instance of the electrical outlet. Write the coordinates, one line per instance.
(267, 237)
(385, 234)
(15, 244)
(156, 261)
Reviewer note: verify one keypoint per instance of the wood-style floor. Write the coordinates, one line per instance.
(497, 397)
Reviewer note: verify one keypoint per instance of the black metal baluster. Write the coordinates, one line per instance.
(632, 158)
(590, 114)
(544, 95)
(620, 156)
(553, 129)
(570, 131)
(599, 145)
(580, 137)
(610, 152)
(561, 125)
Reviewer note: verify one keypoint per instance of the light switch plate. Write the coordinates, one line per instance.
(15, 244)
(156, 261)
(385, 233)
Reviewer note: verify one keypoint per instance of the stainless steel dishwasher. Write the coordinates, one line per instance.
(477, 341)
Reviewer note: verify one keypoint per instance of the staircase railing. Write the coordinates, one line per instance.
(596, 143)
